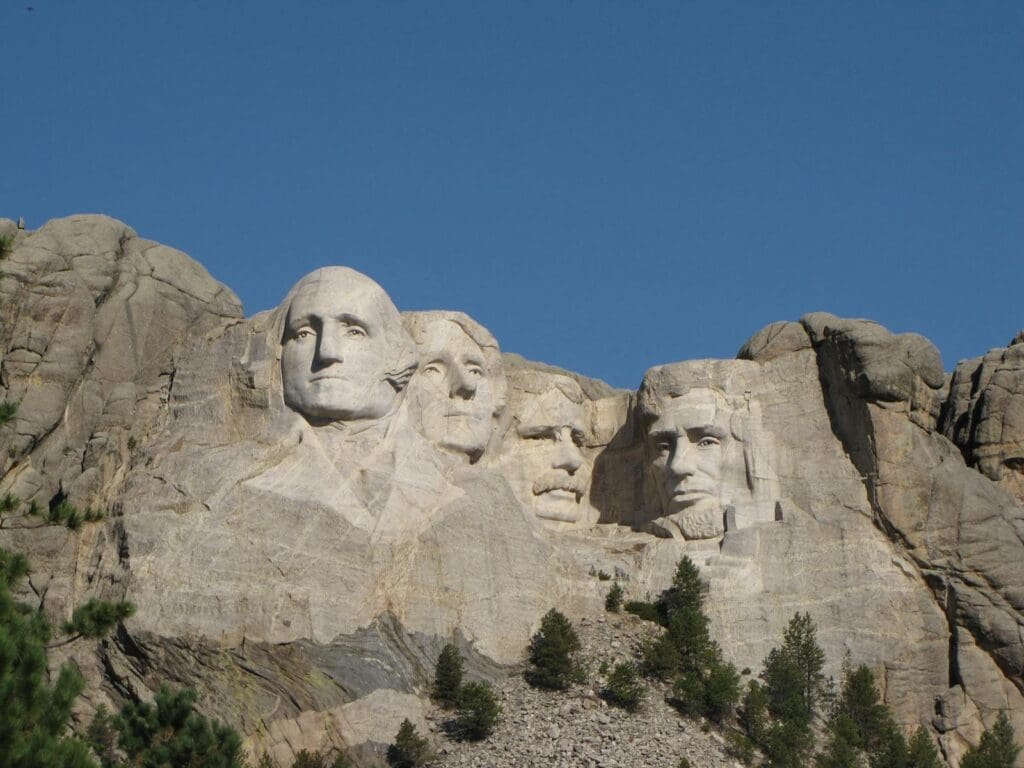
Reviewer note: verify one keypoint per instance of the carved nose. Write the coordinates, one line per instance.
(682, 463)
(567, 455)
(328, 348)
(462, 385)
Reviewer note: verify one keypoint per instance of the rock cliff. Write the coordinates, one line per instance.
(306, 504)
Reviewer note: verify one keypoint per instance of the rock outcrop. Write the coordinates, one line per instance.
(305, 505)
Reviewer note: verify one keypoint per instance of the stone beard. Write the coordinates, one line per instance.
(344, 353)
(542, 455)
(458, 388)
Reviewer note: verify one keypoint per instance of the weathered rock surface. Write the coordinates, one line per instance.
(307, 504)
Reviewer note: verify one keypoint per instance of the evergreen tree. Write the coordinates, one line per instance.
(861, 704)
(721, 691)
(624, 688)
(169, 734)
(478, 711)
(613, 600)
(448, 677)
(996, 749)
(33, 713)
(891, 749)
(554, 653)
(921, 752)
(842, 750)
(686, 592)
(410, 749)
(754, 713)
(102, 737)
(792, 673)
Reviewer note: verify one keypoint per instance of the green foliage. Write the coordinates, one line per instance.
(686, 592)
(721, 691)
(169, 733)
(613, 600)
(842, 750)
(448, 677)
(604, 576)
(554, 654)
(688, 694)
(7, 410)
(792, 673)
(683, 763)
(739, 746)
(478, 711)
(921, 752)
(646, 611)
(6, 245)
(410, 749)
(860, 704)
(307, 759)
(788, 744)
(624, 688)
(97, 618)
(33, 713)
(996, 749)
(754, 713)
(101, 735)
(659, 658)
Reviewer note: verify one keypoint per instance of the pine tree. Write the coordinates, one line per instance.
(921, 752)
(613, 600)
(478, 711)
(996, 749)
(410, 749)
(448, 677)
(721, 691)
(33, 713)
(554, 653)
(842, 750)
(859, 701)
(169, 734)
(624, 688)
(792, 673)
(686, 592)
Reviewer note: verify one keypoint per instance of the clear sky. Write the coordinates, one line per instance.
(605, 185)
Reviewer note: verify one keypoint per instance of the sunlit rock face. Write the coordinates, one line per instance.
(458, 390)
(307, 504)
(705, 447)
(542, 448)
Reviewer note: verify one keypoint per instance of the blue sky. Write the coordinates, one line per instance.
(605, 185)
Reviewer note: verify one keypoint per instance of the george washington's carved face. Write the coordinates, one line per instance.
(335, 355)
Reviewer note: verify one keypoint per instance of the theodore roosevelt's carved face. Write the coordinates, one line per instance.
(542, 453)
(335, 356)
(452, 396)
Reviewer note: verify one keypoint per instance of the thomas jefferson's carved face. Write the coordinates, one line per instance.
(687, 449)
(452, 394)
(334, 355)
(543, 458)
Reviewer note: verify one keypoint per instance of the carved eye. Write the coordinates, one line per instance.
(663, 446)
(354, 331)
(708, 442)
(577, 438)
(433, 369)
(304, 333)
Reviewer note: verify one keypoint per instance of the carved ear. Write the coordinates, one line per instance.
(400, 379)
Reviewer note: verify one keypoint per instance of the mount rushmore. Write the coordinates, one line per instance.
(305, 505)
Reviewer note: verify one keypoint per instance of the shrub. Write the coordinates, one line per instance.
(315, 759)
(624, 687)
(646, 611)
(448, 677)
(996, 748)
(554, 653)
(686, 592)
(754, 713)
(739, 746)
(841, 751)
(688, 694)
(788, 744)
(410, 749)
(7, 410)
(659, 658)
(613, 600)
(478, 711)
(604, 576)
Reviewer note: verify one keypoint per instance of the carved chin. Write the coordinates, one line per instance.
(559, 505)
(691, 524)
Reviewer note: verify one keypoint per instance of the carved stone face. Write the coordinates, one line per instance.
(452, 395)
(687, 445)
(543, 458)
(335, 356)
